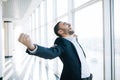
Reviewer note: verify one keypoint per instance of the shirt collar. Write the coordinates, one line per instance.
(70, 38)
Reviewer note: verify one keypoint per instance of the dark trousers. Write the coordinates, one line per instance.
(88, 78)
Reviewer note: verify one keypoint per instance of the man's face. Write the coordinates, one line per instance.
(66, 28)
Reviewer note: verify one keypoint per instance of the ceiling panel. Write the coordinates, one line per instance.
(15, 9)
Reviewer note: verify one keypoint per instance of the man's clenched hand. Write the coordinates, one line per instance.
(25, 40)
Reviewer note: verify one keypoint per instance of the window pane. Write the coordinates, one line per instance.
(28, 25)
(38, 35)
(49, 10)
(51, 34)
(89, 28)
(33, 27)
(33, 20)
(117, 38)
(42, 12)
(64, 19)
(36, 17)
(79, 2)
(62, 7)
(42, 36)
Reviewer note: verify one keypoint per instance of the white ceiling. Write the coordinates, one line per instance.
(15, 9)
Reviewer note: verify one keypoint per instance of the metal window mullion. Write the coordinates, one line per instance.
(108, 40)
(112, 39)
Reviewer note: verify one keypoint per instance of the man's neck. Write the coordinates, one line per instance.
(73, 35)
(67, 36)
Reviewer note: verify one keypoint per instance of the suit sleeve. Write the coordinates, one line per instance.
(48, 53)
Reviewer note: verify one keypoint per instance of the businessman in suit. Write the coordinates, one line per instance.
(66, 48)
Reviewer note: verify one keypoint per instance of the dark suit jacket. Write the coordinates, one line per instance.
(68, 55)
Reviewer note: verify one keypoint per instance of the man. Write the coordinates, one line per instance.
(67, 48)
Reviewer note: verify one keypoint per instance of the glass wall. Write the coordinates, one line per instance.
(117, 38)
(89, 28)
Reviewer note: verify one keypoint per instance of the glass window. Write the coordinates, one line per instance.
(89, 28)
(37, 24)
(42, 36)
(33, 20)
(117, 38)
(51, 34)
(37, 35)
(49, 10)
(37, 17)
(77, 3)
(64, 19)
(28, 25)
(62, 7)
(42, 12)
(33, 27)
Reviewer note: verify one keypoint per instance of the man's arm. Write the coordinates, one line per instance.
(47, 53)
(37, 50)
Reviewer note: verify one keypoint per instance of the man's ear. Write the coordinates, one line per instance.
(60, 32)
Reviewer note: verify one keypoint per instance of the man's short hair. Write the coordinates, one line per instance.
(56, 28)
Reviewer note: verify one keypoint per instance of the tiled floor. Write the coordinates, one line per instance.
(28, 68)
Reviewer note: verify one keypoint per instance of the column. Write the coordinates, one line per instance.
(1, 47)
(9, 38)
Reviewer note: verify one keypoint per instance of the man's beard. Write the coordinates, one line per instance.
(71, 32)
